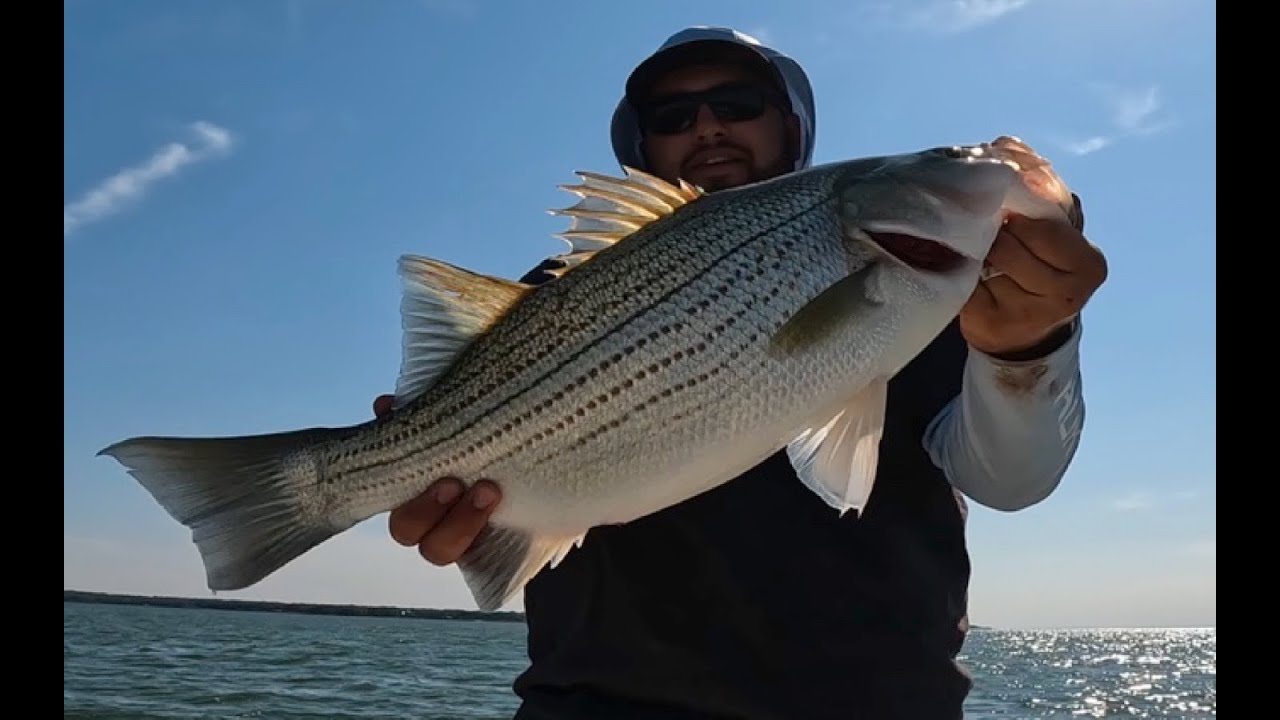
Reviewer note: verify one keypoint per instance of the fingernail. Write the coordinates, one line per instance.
(483, 497)
(447, 493)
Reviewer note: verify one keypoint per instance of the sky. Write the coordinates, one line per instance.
(241, 176)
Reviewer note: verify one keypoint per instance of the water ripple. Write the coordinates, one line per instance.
(141, 663)
(1094, 673)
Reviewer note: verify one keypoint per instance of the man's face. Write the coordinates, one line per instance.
(717, 153)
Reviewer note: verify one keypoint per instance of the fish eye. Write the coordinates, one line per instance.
(964, 151)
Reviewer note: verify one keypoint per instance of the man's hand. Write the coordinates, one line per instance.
(444, 520)
(1050, 270)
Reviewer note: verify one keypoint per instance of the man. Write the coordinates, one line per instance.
(756, 600)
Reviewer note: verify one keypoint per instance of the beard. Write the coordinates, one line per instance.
(755, 172)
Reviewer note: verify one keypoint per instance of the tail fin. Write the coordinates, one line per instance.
(250, 502)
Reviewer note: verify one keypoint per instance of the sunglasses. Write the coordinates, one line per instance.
(671, 114)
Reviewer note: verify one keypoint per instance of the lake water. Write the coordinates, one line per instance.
(124, 661)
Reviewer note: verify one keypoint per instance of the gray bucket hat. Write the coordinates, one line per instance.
(701, 43)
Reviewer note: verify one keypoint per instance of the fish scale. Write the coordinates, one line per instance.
(663, 275)
(683, 287)
(687, 337)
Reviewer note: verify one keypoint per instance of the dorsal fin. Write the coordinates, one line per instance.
(442, 310)
(612, 208)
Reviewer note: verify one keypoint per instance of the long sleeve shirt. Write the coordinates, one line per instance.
(1006, 440)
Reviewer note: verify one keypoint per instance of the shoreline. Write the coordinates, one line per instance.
(276, 606)
(280, 606)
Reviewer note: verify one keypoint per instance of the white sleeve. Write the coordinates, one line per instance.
(1006, 440)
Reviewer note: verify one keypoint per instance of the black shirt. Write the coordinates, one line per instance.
(756, 600)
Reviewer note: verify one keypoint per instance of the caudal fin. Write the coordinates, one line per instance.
(501, 561)
(249, 501)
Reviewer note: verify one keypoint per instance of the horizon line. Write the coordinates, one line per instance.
(213, 599)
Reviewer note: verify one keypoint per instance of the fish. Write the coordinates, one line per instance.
(686, 337)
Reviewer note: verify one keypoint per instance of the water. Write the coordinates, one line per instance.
(122, 661)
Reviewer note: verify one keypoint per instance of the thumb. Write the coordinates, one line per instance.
(382, 405)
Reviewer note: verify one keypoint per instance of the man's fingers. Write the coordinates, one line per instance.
(451, 537)
(1007, 293)
(382, 405)
(1019, 264)
(981, 303)
(1058, 245)
(411, 522)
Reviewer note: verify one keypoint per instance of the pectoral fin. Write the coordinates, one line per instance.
(838, 460)
(839, 304)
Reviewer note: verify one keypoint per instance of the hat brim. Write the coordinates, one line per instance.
(698, 52)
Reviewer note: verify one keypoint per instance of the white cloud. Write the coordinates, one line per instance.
(1131, 112)
(130, 184)
(1132, 501)
(1133, 108)
(1135, 111)
(941, 17)
(1144, 500)
(962, 15)
(1088, 145)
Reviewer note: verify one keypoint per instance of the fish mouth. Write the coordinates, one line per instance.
(917, 252)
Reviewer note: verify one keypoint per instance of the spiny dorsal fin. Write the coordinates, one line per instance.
(443, 309)
(612, 208)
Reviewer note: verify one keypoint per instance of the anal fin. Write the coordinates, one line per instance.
(501, 561)
(838, 460)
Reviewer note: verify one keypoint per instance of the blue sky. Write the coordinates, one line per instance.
(240, 178)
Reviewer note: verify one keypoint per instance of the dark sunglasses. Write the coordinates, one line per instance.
(671, 114)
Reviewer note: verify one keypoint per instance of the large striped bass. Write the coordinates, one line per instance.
(688, 337)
